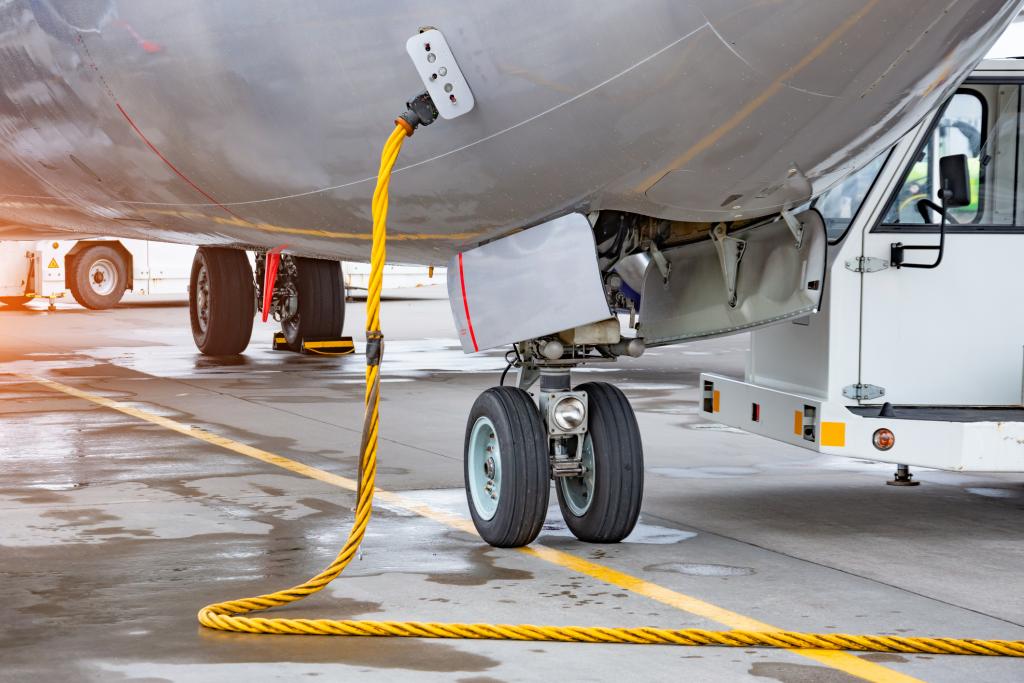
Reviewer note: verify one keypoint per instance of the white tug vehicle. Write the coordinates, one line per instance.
(916, 353)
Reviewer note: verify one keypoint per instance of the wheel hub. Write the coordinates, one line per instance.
(203, 298)
(286, 298)
(103, 277)
(578, 491)
(287, 308)
(484, 468)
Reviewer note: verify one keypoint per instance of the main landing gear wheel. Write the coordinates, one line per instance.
(99, 277)
(317, 306)
(221, 301)
(603, 505)
(506, 467)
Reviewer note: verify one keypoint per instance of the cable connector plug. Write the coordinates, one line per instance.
(374, 346)
(420, 110)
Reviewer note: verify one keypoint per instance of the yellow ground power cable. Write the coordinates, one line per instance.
(229, 615)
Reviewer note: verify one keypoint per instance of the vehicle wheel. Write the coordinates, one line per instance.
(320, 309)
(221, 301)
(506, 467)
(603, 505)
(98, 277)
(15, 301)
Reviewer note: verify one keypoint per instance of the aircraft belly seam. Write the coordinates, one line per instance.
(712, 138)
(729, 46)
(456, 150)
(170, 165)
(138, 131)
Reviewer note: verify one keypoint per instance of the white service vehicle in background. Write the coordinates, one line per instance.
(400, 282)
(97, 271)
(916, 353)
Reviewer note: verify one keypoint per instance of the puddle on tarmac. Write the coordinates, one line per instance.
(992, 492)
(715, 427)
(646, 534)
(70, 486)
(883, 657)
(835, 463)
(703, 472)
(203, 362)
(694, 569)
(481, 570)
(653, 386)
(799, 673)
(454, 501)
(89, 519)
(406, 358)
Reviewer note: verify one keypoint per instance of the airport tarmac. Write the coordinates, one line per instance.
(115, 529)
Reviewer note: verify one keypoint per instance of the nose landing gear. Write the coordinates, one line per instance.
(586, 439)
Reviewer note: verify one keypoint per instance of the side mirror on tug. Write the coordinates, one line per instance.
(955, 184)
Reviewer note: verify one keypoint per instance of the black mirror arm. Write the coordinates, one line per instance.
(926, 205)
(898, 249)
(923, 205)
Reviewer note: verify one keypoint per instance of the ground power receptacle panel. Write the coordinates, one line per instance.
(440, 73)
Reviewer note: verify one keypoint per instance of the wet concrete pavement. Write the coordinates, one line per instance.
(114, 531)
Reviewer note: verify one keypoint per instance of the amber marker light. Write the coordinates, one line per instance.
(883, 439)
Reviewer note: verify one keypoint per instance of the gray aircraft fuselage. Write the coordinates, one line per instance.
(259, 123)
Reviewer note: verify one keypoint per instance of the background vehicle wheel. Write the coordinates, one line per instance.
(603, 505)
(98, 277)
(506, 467)
(15, 301)
(321, 302)
(221, 301)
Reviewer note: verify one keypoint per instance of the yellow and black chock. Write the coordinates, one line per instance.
(320, 346)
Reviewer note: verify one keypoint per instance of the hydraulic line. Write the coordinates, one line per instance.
(229, 615)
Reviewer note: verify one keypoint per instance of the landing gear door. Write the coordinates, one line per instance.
(735, 281)
(529, 284)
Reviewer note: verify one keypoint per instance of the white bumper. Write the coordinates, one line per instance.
(828, 427)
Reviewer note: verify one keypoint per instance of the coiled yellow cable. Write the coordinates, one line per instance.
(227, 616)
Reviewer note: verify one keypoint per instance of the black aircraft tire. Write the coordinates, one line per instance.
(321, 294)
(616, 488)
(504, 424)
(221, 301)
(98, 277)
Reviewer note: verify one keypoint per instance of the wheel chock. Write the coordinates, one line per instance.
(329, 346)
(321, 346)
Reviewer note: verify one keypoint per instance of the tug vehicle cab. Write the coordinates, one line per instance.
(916, 353)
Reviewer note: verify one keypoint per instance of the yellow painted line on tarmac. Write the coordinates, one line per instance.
(842, 661)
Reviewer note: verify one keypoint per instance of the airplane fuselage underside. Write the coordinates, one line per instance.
(259, 123)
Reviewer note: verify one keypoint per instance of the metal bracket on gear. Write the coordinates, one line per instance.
(795, 227)
(730, 253)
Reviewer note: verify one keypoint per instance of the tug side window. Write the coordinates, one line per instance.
(839, 206)
(981, 122)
